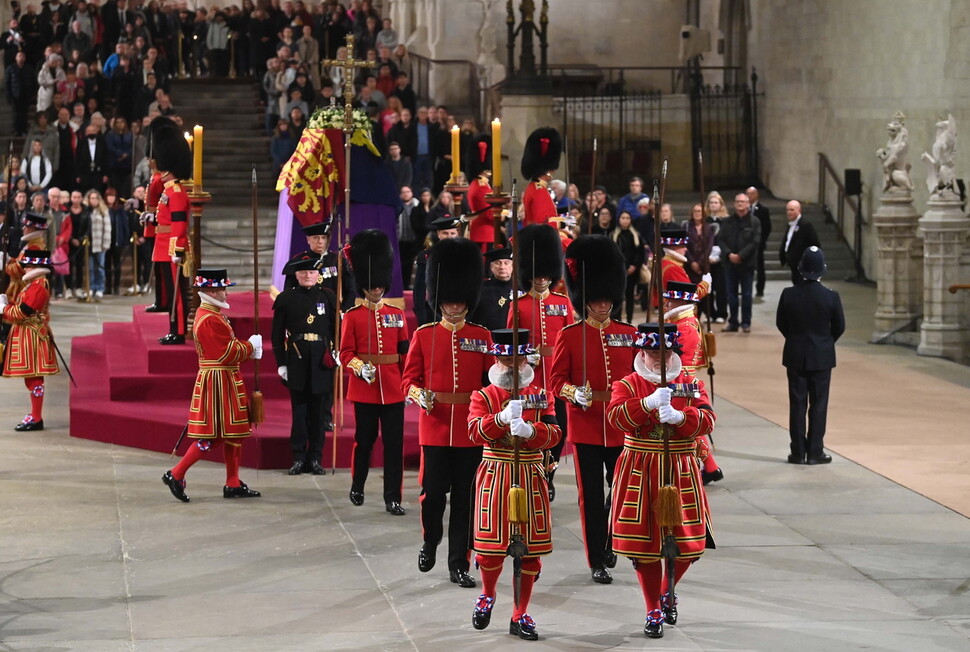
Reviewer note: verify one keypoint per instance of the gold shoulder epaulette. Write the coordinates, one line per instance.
(559, 294)
(422, 327)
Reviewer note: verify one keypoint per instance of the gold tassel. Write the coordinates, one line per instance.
(710, 341)
(256, 411)
(668, 507)
(518, 505)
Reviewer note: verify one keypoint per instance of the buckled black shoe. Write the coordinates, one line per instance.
(426, 558)
(462, 579)
(29, 425)
(172, 339)
(155, 308)
(314, 468)
(670, 612)
(602, 576)
(177, 487)
(242, 491)
(357, 497)
(296, 469)
(654, 627)
(524, 628)
(824, 458)
(482, 615)
(707, 477)
(609, 559)
(394, 507)
(796, 459)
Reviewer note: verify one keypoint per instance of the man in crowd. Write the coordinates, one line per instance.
(739, 239)
(800, 236)
(761, 212)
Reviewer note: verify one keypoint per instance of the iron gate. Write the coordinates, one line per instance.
(724, 127)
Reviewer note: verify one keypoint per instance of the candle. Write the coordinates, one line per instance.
(455, 155)
(188, 139)
(496, 154)
(197, 159)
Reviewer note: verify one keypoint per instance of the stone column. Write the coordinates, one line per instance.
(944, 229)
(521, 115)
(899, 284)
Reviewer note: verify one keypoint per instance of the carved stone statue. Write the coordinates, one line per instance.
(941, 177)
(895, 168)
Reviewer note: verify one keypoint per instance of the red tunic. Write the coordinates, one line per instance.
(494, 478)
(545, 317)
(173, 218)
(374, 336)
(673, 270)
(30, 350)
(220, 407)
(694, 354)
(482, 227)
(637, 479)
(537, 204)
(461, 359)
(152, 195)
(609, 357)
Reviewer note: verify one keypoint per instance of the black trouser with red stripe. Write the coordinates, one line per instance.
(591, 462)
(390, 419)
(163, 284)
(447, 469)
(178, 314)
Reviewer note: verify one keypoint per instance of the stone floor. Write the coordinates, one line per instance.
(95, 554)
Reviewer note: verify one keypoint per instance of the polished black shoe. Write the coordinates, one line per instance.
(654, 627)
(177, 487)
(796, 459)
(707, 477)
(426, 558)
(242, 491)
(824, 458)
(394, 507)
(552, 492)
(296, 469)
(482, 615)
(357, 497)
(726, 329)
(314, 468)
(172, 339)
(524, 628)
(670, 612)
(602, 576)
(462, 579)
(609, 559)
(155, 308)
(28, 425)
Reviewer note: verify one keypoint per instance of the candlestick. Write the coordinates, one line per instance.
(455, 154)
(197, 160)
(496, 154)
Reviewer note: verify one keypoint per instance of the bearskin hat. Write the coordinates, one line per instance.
(372, 260)
(455, 272)
(595, 270)
(540, 254)
(480, 158)
(543, 148)
(167, 145)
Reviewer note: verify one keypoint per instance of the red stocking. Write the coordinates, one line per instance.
(233, 458)
(196, 451)
(710, 465)
(530, 570)
(36, 387)
(650, 574)
(490, 567)
(680, 567)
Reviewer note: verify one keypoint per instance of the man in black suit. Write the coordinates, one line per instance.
(801, 235)
(811, 319)
(91, 162)
(760, 211)
(114, 17)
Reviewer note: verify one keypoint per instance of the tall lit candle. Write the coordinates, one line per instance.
(455, 154)
(497, 154)
(197, 159)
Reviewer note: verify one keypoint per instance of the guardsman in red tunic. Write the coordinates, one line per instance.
(673, 239)
(29, 352)
(540, 159)
(641, 408)
(481, 229)
(33, 239)
(373, 344)
(680, 309)
(596, 273)
(447, 361)
(496, 421)
(219, 412)
(153, 194)
(544, 313)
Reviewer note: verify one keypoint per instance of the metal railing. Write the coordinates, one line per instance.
(826, 171)
(468, 97)
(577, 80)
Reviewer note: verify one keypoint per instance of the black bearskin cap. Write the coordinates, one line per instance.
(594, 261)
(540, 254)
(542, 151)
(455, 272)
(167, 145)
(480, 158)
(372, 260)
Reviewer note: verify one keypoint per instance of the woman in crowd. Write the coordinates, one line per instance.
(700, 250)
(51, 73)
(38, 169)
(716, 210)
(282, 146)
(630, 245)
(604, 222)
(120, 240)
(100, 220)
(77, 223)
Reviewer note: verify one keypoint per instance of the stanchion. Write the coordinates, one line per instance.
(86, 244)
(197, 200)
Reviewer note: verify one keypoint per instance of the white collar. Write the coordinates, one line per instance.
(673, 370)
(205, 298)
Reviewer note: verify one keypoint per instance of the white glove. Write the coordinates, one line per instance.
(521, 428)
(707, 278)
(176, 259)
(533, 358)
(368, 373)
(256, 340)
(282, 371)
(669, 414)
(147, 218)
(512, 411)
(660, 396)
(583, 396)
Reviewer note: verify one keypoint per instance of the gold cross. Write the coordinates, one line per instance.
(349, 65)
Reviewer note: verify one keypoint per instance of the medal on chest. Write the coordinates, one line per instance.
(310, 319)
(328, 272)
(684, 390)
(392, 321)
(534, 401)
(473, 346)
(555, 310)
(321, 309)
(619, 339)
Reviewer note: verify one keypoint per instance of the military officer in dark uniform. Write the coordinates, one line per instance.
(496, 298)
(446, 227)
(303, 328)
(318, 239)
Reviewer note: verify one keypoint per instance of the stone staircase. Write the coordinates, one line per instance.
(234, 141)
